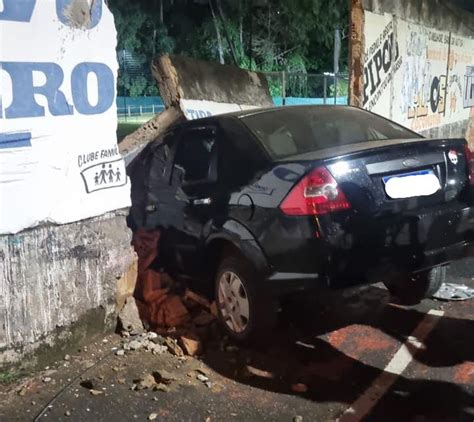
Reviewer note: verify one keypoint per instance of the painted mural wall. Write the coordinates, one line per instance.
(420, 77)
(59, 159)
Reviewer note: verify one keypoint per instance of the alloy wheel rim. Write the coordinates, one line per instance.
(233, 302)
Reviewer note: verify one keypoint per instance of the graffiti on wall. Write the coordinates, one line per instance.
(424, 88)
(468, 100)
(382, 60)
(430, 79)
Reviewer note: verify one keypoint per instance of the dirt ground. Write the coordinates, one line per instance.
(347, 355)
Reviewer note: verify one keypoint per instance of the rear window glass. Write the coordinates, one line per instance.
(290, 131)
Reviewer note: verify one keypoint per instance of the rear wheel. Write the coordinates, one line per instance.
(245, 312)
(418, 286)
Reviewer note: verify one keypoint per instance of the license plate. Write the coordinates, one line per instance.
(408, 185)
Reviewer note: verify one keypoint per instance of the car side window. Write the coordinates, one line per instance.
(196, 156)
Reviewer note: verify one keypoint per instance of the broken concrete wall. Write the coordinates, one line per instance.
(59, 165)
(192, 89)
(54, 277)
(356, 54)
(417, 64)
(202, 89)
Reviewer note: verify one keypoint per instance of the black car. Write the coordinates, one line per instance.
(271, 202)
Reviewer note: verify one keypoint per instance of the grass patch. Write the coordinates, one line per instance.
(9, 377)
(127, 125)
(126, 128)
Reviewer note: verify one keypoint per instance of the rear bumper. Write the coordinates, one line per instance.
(447, 254)
(359, 249)
(390, 246)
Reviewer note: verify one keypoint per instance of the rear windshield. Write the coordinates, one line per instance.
(291, 131)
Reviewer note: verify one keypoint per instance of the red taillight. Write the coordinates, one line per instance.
(316, 194)
(470, 163)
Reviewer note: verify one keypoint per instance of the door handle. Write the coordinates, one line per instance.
(202, 201)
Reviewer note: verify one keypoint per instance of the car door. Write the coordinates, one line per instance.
(196, 162)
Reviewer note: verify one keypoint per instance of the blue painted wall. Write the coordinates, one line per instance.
(300, 100)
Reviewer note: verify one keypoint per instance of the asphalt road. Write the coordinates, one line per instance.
(350, 355)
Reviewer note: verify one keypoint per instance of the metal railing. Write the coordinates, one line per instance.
(326, 88)
(286, 88)
(130, 111)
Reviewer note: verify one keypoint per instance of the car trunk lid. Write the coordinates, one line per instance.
(392, 176)
(402, 177)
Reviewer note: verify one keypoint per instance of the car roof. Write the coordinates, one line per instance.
(260, 110)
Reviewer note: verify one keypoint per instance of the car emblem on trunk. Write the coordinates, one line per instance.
(453, 156)
(411, 162)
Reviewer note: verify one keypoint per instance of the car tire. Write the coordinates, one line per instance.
(418, 286)
(245, 312)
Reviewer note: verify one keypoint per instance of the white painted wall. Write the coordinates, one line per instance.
(52, 276)
(59, 160)
(419, 88)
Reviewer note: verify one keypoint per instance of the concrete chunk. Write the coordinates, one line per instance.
(129, 317)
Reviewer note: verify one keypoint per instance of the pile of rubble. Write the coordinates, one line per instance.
(178, 320)
(180, 340)
(188, 344)
(162, 380)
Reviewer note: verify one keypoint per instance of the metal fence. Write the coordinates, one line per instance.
(286, 88)
(309, 88)
(130, 111)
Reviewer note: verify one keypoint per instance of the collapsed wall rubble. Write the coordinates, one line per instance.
(194, 88)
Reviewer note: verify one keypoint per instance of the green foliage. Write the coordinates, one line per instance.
(9, 377)
(141, 36)
(342, 87)
(267, 35)
(126, 128)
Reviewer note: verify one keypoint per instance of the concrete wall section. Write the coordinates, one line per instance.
(213, 82)
(201, 89)
(356, 53)
(417, 76)
(55, 276)
(419, 65)
(59, 160)
(59, 164)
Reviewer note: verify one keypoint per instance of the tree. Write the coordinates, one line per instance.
(266, 35)
(220, 48)
(140, 36)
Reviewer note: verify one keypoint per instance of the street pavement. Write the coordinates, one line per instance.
(348, 355)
